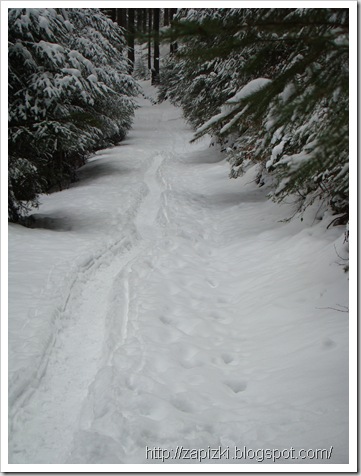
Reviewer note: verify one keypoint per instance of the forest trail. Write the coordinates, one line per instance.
(192, 319)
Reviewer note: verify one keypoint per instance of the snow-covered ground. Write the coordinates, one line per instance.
(158, 307)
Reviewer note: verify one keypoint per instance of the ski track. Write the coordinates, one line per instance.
(69, 364)
(84, 328)
(142, 359)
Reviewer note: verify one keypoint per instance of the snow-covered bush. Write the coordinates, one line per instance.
(273, 83)
(69, 94)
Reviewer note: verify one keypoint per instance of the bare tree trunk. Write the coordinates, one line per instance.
(173, 44)
(166, 16)
(131, 31)
(155, 76)
(150, 27)
(144, 24)
(121, 17)
(139, 19)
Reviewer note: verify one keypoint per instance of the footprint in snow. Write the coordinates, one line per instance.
(182, 404)
(224, 358)
(165, 320)
(227, 358)
(236, 386)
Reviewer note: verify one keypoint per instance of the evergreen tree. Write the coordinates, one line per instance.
(69, 94)
(272, 84)
(110, 13)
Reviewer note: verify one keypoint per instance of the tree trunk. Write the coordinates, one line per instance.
(166, 16)
(144, 26)
(139, 19)
(173, 44)
(155, 74)
(121, 17)
(150, 27)
(130, 37)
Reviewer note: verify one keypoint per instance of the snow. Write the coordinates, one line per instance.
(295, 160)
(288, 91)
(250, 88)
(92, 78)
(233, 121)
(232, 103)
(44, 23)
(158, 304)
(276, 152)
(54, 51)
(72, 71)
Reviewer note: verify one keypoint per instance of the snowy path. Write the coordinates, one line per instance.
(186, 313)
